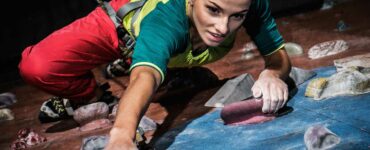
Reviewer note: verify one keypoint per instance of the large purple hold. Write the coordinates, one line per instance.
(245, 112)
(91, 112)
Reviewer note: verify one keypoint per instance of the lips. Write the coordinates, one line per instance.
(216, 37)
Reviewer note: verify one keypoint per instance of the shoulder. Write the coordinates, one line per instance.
(165, 12)
(165, 21)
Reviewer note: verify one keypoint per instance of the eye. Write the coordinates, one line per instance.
(213, 10)
(238, 16)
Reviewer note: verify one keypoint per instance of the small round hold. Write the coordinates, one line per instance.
(293, 49)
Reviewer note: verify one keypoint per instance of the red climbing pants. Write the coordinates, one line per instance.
(61, 63)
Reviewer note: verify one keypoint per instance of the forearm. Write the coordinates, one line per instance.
(277, 65)
(143, 83)
(270, 84)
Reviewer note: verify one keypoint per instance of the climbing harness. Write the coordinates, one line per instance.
(127, 42)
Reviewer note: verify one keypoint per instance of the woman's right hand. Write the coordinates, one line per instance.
(144, 80)
(120, 141)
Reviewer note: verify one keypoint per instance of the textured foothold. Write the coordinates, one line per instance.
(346, 82)
(245, 112)
(18, 145)
(7, 99)
(95, 142)
(327, 49)
(88, 113)
(293, 49)
(315, 87)
(26, 138)
(358, 61)
(6, 114)
(320, 138)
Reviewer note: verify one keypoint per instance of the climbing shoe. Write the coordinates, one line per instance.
(55, 109)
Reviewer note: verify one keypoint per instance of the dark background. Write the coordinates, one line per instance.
(27, 22)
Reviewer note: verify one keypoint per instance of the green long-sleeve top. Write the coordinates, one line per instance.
(162, 35)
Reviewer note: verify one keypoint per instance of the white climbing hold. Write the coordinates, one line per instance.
(327, 48)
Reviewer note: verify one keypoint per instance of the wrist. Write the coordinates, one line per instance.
(269, 73)
(122, 133)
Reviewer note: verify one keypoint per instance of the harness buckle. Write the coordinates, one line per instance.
(121, 32)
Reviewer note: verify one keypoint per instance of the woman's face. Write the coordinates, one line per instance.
(216, 19)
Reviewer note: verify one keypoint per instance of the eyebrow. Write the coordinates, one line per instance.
(245, 10)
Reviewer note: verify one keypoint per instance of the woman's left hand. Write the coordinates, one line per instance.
(273, 91)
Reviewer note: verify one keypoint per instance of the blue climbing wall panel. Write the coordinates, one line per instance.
(346, 116)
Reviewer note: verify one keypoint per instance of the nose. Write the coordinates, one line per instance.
(222, 26)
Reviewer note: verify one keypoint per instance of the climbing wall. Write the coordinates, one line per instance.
(346, 116)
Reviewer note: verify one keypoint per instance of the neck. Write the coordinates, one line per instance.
(196, 41)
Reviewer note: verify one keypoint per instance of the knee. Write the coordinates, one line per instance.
(33, 68)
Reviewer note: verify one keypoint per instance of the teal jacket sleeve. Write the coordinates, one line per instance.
(261, 27)
(163, 32)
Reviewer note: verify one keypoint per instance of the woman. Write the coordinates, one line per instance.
(168, 33)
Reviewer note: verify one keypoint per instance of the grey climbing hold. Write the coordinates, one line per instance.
(95, 142)
(327, 4)
(233, 90)
(347, 82)
(7, 99)
(301, 75)
(147, 124)
(359, 61)
(319, 137)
